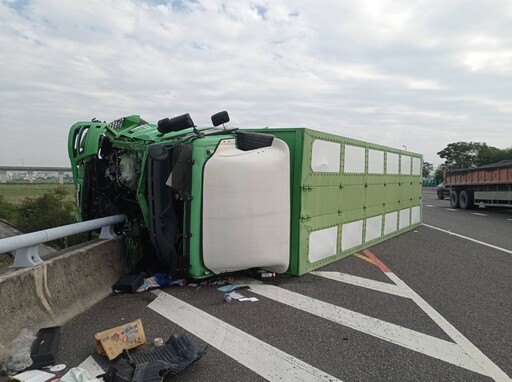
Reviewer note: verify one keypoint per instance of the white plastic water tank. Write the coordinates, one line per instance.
(246, 208)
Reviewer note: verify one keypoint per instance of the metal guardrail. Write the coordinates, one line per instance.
(26, 245)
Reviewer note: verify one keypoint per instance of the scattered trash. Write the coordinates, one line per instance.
(113, 341)
(149, 283)
(18, 357)
(261, 273)
(180, 282)
(45, 347)
(228, 297)
(92, 367)
(33, 376)
(58, 367)
(128, 284)
(158, 341)
(252, 299)
(121, 371)
(153, 371)
(77, 374)
(159, 280)
(231, 287)
(177, 354)
(193, 285)
(235, 295)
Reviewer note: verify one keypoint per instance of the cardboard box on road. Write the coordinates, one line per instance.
(113, 341)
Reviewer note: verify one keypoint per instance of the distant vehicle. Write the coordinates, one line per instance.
(442, 191)
(489, 185)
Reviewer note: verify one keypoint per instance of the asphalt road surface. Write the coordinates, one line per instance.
(433, 304)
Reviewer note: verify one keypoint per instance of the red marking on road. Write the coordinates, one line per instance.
(377, 262)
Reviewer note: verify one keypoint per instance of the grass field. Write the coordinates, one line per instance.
(16, 192)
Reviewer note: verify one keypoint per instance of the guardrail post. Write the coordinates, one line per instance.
(107, 232)
(27, 257)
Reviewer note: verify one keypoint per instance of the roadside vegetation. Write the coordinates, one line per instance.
(42, 207)
(461, 155)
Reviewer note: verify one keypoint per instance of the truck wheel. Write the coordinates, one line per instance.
(466, 200)
(440, 194)
(454, 199)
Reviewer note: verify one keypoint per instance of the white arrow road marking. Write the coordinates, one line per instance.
(410, 339)
(479, 358)
(269, 362)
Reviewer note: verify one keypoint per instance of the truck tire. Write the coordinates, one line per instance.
(467, 200)
(454, 199)
(440, 194)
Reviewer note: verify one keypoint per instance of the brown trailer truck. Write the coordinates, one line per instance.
(488, 185)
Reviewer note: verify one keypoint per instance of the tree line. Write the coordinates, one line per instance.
(460, 155)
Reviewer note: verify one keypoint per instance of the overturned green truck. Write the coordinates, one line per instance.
(208, 200)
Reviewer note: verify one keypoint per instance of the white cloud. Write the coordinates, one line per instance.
(394, 72)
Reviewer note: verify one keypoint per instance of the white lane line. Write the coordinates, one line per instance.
(363, 282)
(410, 339)
(509, 220)
(429, 205)
(260, 357)
(466, 346)
(478, 214)
(470, 239)
(451, 209)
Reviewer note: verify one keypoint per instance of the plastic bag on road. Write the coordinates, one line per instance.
(17, 357)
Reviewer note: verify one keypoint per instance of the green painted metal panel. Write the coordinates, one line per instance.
(355, 203)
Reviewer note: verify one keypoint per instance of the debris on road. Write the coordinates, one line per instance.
(113, 341)
(77, 374)
(45, 347)
(176, 355)
(33, 376)
(128, 284)
(17, 358)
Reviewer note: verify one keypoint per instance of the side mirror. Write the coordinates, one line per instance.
(178, 123)
(220, 118)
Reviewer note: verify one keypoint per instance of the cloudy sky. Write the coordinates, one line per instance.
(412, 73)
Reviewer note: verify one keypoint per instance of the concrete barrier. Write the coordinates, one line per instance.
(68, 283)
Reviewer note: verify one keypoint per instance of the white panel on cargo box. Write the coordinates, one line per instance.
(373, 228)
(325, 156)
(405, 218)
(405, 165)
(351, 235)
(246, 208)
(392, 163)
(375, 162)
(390, 222)
(354, 159)
(416, 166)
(323, 244)
(415, 215)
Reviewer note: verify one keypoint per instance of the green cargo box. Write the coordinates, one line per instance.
(345, 195)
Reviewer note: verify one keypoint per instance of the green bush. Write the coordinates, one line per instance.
(6, 209)
(50, 210)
